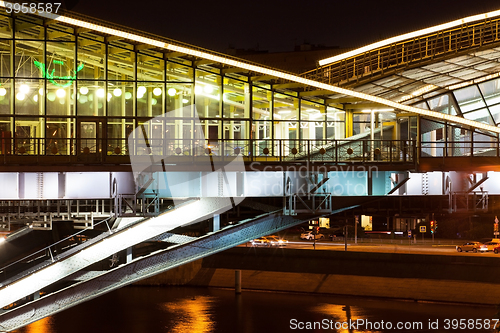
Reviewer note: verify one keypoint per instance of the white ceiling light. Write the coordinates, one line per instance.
(157, 91)
(24, 88)
(171, 92)
(61, 93)
(117, 92)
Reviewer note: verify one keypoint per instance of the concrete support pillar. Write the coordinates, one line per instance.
(216, 223)
(237, 281)
(129, 254)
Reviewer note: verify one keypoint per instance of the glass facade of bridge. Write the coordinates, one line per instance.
(65, 91)
(479, 102)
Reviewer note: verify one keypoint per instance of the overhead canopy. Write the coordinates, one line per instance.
(420, 64)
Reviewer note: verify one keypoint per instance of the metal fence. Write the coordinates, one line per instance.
(184, 150)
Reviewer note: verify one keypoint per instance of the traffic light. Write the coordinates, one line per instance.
(432, 227)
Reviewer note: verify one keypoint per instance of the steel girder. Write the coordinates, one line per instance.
(144, 267)
(187, 213)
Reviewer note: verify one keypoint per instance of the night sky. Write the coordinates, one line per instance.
(277, 25)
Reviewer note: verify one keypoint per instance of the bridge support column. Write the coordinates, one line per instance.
(216, 223)
(237, 281)
(129, 254)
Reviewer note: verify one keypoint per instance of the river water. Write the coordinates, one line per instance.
(204, 310)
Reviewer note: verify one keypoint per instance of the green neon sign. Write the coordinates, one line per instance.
(52, 78)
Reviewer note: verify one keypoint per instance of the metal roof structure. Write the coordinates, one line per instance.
(420, 65)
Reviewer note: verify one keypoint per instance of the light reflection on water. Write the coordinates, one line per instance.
(201, 310)
(193, 315)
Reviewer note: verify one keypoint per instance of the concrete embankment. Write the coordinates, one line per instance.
(462, 279)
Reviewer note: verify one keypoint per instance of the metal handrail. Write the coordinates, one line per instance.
(276, 150)
(2, 270)
(395, 55)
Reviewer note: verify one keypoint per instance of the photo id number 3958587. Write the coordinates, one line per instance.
(32, 8)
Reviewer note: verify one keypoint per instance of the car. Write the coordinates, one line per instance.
(309, 235)
(469, 246)
(489, 246)
(276, 240)
(262, 241)
(496, 249)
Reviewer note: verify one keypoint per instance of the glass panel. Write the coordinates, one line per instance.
(91, 98)
(335, 123)
(6, 136)
(150, 99)
(121, 102)
(237, 131)
(179, 96)
(60, 100)
(150, 68)
(88, 136)
(440, 104)
(5, 58)
(235, 99)
(261, 134)
(495, 112)
(60, 66)
(26, 53)
(117, 135)
(286, 107)
(5, 96)
(261, 103)
(469, 99)
(361, 122)
(121, 64)
(28, 100)
(27, 131)
(207, 94)
(422, 105)
(312, 123)
(5, 26)
(491, 91)
(61, 33)
(30, 30)
(59, 133)
(481, 115)
(177, 72)
(91, 54)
